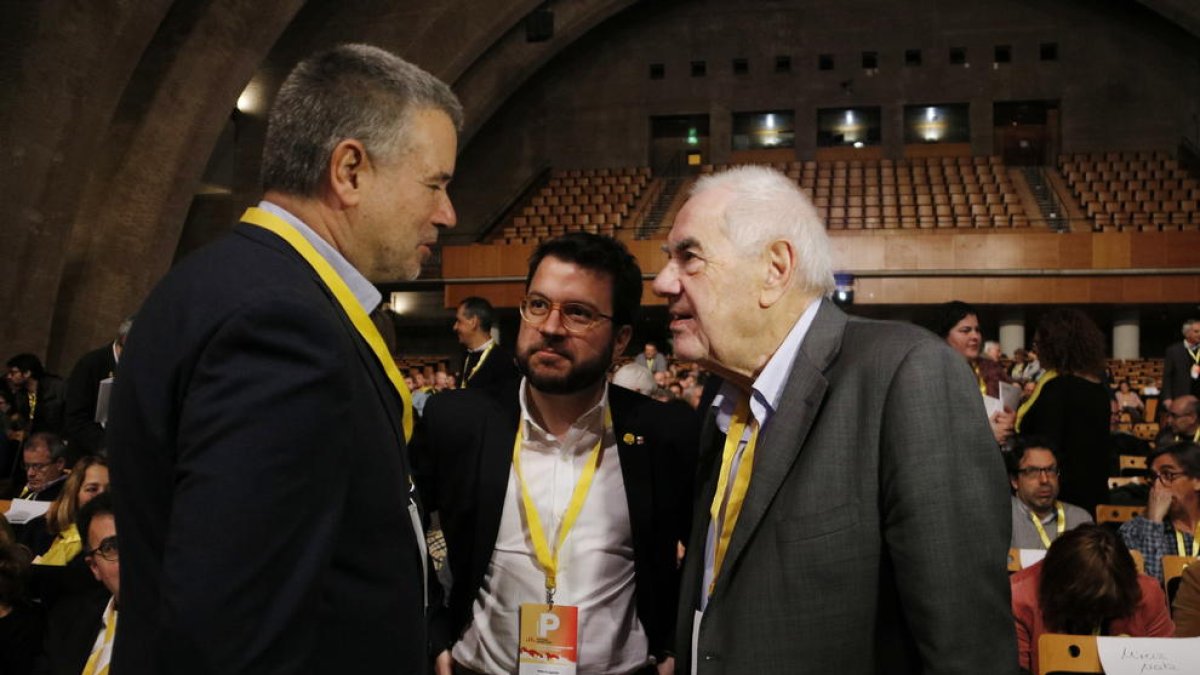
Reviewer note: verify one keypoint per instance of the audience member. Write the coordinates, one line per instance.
(991, 351)
(958, 324)
(486, 360)
(1187, 604)
(635, 377)
(1069, 406)
(81, 428)
(1181, 365)
(259, 425)
(41, 397)
(809, 549)
(82, 629)
(45, 461)
(1128, 401)
(1183, 421)
(1038, 518)
(656, 362)
(21, 622)
(1168, 527)
(88, 479)
(500, 503)
(1088, 584)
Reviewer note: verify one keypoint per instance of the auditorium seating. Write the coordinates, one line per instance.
(600, 201)
(1132, 191)
(1141, 373)
(934, 193)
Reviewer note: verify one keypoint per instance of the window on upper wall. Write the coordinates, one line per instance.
(1002, 54)
(764, 130)
(783, 64)
(937, 123)
(699, 68)
(657, 71)
(855, 127)
(741, 67)
(870, 60)
(825, 62)
(958, 56)
(1048, 51)
(912, 57)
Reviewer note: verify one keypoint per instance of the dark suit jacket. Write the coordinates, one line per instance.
(500, 366)
(51, 405)
(873, 535)
(467, 441)
(260, 478)
(71, 632)
(84, 434)
(1177, 372)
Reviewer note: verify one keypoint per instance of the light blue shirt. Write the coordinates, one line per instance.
(364, 291)
(765, 393)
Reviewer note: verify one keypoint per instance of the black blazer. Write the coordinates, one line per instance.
(84, 434)
(71, 633)
(466, 445)
(500, 366)
(260, 478)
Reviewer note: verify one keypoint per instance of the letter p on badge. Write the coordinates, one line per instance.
(549, 640)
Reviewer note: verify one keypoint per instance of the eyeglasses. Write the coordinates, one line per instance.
(1178, 415)
(107, 549)
(38, 467)
(1167, 477)
(1039, 471)
(576, 317)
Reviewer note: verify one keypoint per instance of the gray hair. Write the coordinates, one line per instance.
(349, 91)
(635, 376)
(1188, 324)
(766, 206)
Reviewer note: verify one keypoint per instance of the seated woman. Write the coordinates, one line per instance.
(1128, 401)
(88, 479)
(1086, 585)
(1187, 604)
(1168, 527)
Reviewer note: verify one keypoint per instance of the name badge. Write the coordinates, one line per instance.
(549, 640)
(1196, 371)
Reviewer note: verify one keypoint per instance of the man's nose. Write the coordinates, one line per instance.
(667, 282)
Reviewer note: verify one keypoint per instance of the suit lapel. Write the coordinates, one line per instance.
(781, 441)
(495, 463)
(636, 468)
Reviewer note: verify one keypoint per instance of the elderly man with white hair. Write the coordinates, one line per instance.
(852, 513)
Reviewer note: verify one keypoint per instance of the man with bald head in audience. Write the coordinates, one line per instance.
(852, 516)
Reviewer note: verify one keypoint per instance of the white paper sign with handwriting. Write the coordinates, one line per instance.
(1129, 656)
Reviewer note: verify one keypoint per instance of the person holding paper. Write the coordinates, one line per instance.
(1088, 584)
(81, 428)
(557, 490)
(1069, 406)
(45, 463)
(958, 324)
(258, 425)
(1038, 518)
(852, 517)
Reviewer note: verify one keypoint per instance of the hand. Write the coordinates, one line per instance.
(444, 664)
(667, 666)
(1159, 504)
(1002, 424)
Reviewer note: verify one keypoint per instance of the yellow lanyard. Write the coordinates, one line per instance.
(1037, 391)
(741, 483)
(32, 405)
(110, 629)
(979, 379)
(1061, 523)
(1195, 541)
(336, 285)
(537, 534)
(474, 370)
(1194, 354)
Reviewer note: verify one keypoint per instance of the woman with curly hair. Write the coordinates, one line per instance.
(1087, 584)
(88, 479)
(1070, 406)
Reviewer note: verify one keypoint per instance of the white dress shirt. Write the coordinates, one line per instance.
(595, 565)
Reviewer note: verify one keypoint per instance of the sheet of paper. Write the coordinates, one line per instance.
(102, 396)
(1031, 556)
(992, 405)
(1010, 395)
(24, 510)
(1126, 655)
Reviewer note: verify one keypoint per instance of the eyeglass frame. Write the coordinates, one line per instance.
(564, 318)
(1039, 471)
(110, 543)
(38, 466)
(1167, 477)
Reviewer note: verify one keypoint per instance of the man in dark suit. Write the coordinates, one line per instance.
(45, 464)
(1181, 365)
(487, 361)
(258, 425)
(617, 563)
(40, 396)
(852, 513)
(81, 429)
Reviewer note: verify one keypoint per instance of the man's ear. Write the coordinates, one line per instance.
(780, 260)
(348, 164)
(624, 333)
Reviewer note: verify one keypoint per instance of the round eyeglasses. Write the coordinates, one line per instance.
(576, 317)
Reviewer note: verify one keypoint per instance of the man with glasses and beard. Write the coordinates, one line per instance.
(562, 499)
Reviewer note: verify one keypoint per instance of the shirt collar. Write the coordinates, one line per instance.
(768, 386)
(364, 291)
(589, 421)
(482, 348)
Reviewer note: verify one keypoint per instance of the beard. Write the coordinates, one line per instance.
(580, 376)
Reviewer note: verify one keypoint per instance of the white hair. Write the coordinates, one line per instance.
(766, 206)
(635, 376)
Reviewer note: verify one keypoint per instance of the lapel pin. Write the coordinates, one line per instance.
(641, 440)
(627, 439)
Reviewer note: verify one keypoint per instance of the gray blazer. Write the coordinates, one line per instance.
(874, 534)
